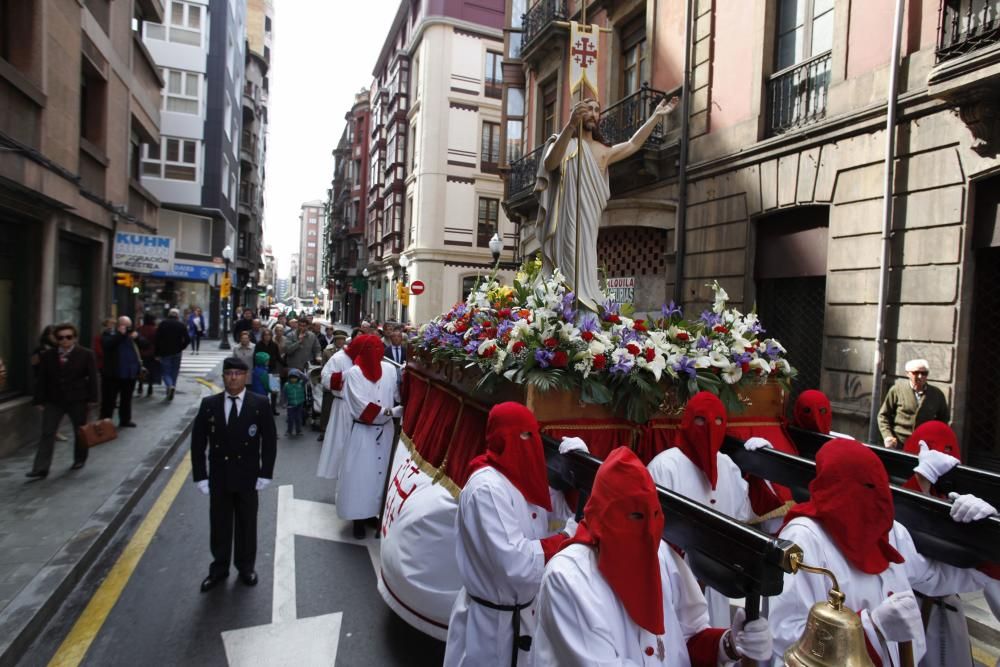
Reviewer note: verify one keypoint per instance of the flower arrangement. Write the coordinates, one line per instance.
(532, 333)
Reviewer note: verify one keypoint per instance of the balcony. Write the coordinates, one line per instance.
(539, 23)
(520, 183)
(620, 120)
(796, 96)
(967, 25)
(657, 158)
(248, 147)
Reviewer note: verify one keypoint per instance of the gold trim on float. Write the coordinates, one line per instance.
(436, 474)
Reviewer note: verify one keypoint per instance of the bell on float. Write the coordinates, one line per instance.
(833, 635)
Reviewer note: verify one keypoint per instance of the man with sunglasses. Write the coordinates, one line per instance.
(909, 403)
(67, 382)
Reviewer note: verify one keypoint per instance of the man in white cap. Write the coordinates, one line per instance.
(909, 403)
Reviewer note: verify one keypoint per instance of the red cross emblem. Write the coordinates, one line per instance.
(583, 52)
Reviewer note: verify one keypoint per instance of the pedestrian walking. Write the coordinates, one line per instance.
(244, 351)
(66, 383)
(233, 450)
(275, 362)
(122, 363)
(171, 339)
(196, 329)
(295, 398)
(151, 372)
(302, 348)
(46, 341)
(245, 324)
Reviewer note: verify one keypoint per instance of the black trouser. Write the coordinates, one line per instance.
(225, 508)
(195, 342)
(52, 414)
(120, 388)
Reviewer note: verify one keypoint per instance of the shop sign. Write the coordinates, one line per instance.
(143, 253)
(622, 290)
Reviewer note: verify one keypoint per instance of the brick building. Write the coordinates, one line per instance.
(783, 194)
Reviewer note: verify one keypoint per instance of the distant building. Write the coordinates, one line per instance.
(281, 289)
(311, 224)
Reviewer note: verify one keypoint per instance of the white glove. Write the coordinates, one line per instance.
(755, 443)
(573, 445)
(898, 618)
(932, 463)
(967, 507)
(262, 483)
(570, 527)
(203, 486)
(397, 412)
(753, 639)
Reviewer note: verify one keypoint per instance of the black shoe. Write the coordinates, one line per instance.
(359, 530)
(77, 465)
(211, 582)
(127, 425)
(150, 391)
(170, 394)
(37, 474)
(319, 438)
(138, 391)
(249, 578)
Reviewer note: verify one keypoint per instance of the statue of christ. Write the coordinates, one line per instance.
(556, 187)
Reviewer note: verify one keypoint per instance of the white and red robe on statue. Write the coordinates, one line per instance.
(366, 456)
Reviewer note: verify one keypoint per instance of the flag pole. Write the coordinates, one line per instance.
(579, 156)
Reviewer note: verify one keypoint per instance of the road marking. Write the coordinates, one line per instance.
(73, 649)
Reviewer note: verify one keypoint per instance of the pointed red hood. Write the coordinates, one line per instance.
(367, 351)
(937, 435)
(812, 411)
(703, 427)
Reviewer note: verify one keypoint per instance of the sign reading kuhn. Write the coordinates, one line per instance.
(143, 253)
(622, 290)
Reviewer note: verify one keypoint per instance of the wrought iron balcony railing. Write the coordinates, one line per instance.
(521, 179)
(539, 16)
(620, 120)
(796, 95)
(967, 25)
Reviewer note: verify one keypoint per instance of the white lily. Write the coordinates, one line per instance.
(765, 368)
(719, 360)
(732, 374)
(702, 361)
(597, 347)
(720, 297)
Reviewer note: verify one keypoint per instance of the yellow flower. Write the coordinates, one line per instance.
(521, 277)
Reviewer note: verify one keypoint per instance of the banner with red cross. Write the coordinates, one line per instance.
(583, 59)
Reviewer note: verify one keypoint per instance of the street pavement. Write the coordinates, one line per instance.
(318, 606)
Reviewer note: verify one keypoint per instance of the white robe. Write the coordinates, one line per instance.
(864, 592)
(338, 427)
(581, 622)
(500, 559)
(366, 456)
(673, 470)
(947, 631)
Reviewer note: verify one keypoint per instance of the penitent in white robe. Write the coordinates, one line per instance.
(369, 448)
(864, 592)
(672, 469)
(338, 427)
(582, 623)
(500, 559)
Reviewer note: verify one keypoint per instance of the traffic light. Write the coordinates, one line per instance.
(402, 293)
(124, 279)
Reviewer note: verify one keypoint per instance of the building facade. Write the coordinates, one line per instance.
(79, 97)
(434, 189)
(195, 168)
(784, 192)
(345, 248)
(311, 232)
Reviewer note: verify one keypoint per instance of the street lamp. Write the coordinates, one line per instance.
(496, 245)
(227, 257)
(404, 262)
(368, 294)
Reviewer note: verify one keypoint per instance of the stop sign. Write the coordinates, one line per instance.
(417, 287)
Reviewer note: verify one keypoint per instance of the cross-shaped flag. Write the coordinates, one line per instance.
(583, 59)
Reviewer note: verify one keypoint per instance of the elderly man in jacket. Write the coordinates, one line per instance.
(909, 403)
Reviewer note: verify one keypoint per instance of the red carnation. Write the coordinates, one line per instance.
(488, 352)
(718, 328)
(460, 327)
(559, 359)
(633, 349)
(503, 313)
(517, 347)
(587, 336)
(682, 335)
(650, 354)
(745, 366)
(551, 343)
(639, 325)
(614, 319)
(600, 362)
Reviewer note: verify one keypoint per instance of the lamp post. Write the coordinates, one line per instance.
(227, 257)
(404, 262)
(368, 294)
(496, 245)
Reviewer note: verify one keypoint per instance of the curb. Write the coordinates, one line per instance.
(31, 610)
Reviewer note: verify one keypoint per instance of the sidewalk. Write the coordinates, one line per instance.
(52, 530)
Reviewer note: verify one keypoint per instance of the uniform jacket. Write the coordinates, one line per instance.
(900, 413)
(73, 382)
(236, 457)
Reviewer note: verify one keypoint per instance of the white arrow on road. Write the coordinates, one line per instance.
(287, 639)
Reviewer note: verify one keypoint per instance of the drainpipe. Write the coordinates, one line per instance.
(878, 365)
(681, 215)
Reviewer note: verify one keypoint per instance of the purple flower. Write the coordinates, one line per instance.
(504, 327)
(710, 319)
(772, 350)
(622, 367)
(741, 358)
(703, 343)
(431, 334)
(543, 357)
(589, 323)
(451, 340)
(568, 311)
(671, 310)
(686, 365)
(609, 307)
(629, 335)
(471, 346)
(756, 328)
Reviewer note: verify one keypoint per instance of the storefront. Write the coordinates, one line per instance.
(188, 286)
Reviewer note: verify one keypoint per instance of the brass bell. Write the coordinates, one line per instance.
(833, 635)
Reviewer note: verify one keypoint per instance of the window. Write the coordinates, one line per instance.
(311, 232)
(175, 159)
(93, 94)
(267, 24)
(494, 75)
(225, 176)
(413, 147)
(230, 53)
(193, 233)
(183, 91)
(548, 124)
(17, 35)
(415, 79)
(489, 212)
(184, 24)
(468, 284)
(101, 11)
(232, 191)
(410, 230)
(514, 146)
(490, 148)
(635, 56)
(310, 244)
(805, 29)
(227, 114)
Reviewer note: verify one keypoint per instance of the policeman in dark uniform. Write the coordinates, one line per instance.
(237, 427)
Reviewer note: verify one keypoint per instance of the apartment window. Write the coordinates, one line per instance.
(17, 32)
(267, 24)
(192, 233)
(225, 176)
(410, 229)
(356, 172)
(93, 97)
(805, 30)
(230, 54)
(489, 150)
(185, 24)
(183, 92)
(415, 79)
(635, 56)
(233, 189)
(311, 244)
(311, 232)
(175, 159)
(494, 75)
(413, 147)
(514, 147)
(489, 214)
(227, 114)
(549, 97)
(101, 11)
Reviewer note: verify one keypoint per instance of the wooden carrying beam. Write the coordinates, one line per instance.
(731, 557)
